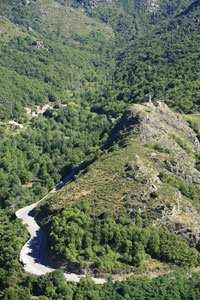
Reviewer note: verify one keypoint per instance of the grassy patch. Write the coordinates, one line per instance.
(9, 30)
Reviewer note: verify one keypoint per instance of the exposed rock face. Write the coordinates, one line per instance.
(160, 103)
(154, 124)
(94, 3)
(174, 222)
(38, 44)
(152, 141)
(152, 6)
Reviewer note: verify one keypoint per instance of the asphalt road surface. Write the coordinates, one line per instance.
(32, 253)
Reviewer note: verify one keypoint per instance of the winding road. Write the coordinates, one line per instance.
(32, 253)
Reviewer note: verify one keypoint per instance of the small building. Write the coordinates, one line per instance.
(160, 103)
(46, 106)
(148, 98)
(28, 110)
(39, 110)
(14, 124)
(38, 44)
(60, 104)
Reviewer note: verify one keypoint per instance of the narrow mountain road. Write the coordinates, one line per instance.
(32, 253)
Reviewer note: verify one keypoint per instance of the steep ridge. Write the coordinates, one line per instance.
(136, 209)
(148, 176)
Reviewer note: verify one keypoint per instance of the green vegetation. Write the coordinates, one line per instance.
(96, 58)
(183, 144)
(187, 189)
(179, 285)
(12, 237)
(105, 227)
(159, 147)
(35, 159)
(62, 66)
(193, 123)
(129, 60)
(109, 244)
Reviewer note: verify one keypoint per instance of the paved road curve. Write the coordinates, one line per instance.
(32, 253)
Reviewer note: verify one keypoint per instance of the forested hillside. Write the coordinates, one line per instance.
(68, 71)
(102, 222)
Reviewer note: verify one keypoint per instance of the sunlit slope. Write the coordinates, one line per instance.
(147, 177)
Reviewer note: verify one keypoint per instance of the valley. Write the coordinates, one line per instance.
(113, 85)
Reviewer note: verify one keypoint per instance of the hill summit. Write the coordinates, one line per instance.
(147, 177)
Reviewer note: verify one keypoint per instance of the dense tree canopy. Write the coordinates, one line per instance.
(88, 61)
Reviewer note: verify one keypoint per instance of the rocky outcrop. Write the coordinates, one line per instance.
(178, 222)
(39, 45)
(152, 6)
(154, 124)
(94, 3)
(173, 145)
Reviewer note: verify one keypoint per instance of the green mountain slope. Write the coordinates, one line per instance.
(164, 63)
(67, 58)
(161, 61)
(135, 210)
(45, 60)
(115, 214)
(80, 43)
